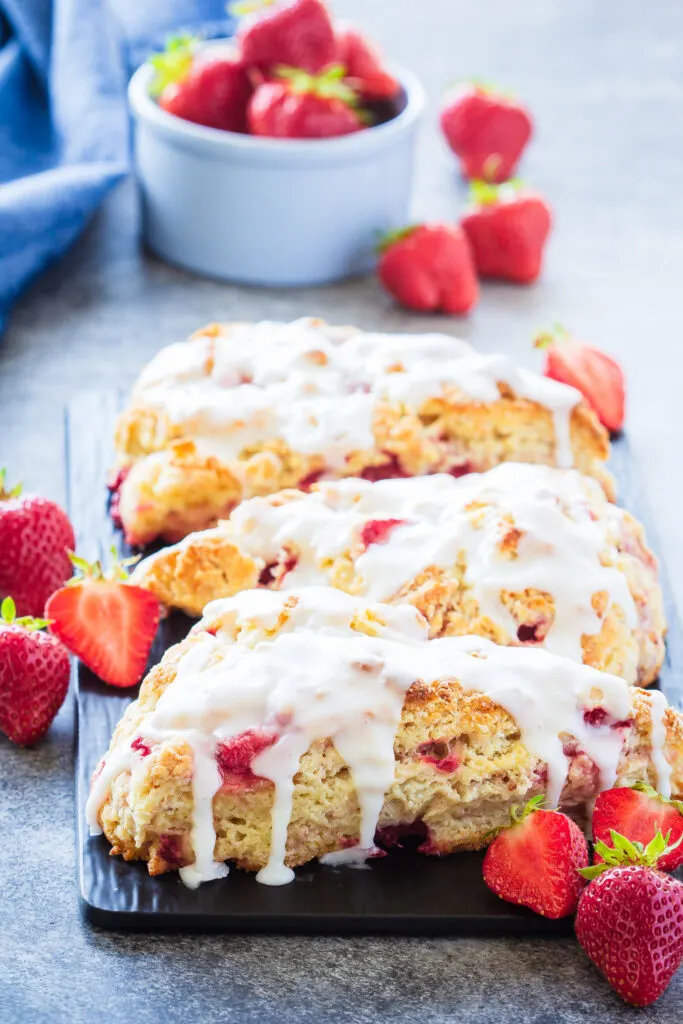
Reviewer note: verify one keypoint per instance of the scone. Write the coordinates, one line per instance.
(309, 724)
(520, 554)
(248, 409)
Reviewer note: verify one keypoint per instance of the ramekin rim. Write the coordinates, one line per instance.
(144, 108)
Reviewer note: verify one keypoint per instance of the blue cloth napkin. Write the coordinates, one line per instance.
(64, 137)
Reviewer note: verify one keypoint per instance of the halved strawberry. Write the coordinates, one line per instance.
(596, 375)
(639, 813)
(535, 860)
(106, 621)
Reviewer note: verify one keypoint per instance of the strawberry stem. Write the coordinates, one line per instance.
(485, 193)
(643, 787)
(118, 569)
(174, 64)
(623, 852)
(8, 615)
(389, 238)
(241, 8)
(548, 338)
(329, 85)
(518, 813)
(4, 494)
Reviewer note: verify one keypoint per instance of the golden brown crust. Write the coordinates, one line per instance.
(212, 564)
(169, 494)
(487, 770)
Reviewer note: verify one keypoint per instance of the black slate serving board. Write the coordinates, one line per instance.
(403, 893)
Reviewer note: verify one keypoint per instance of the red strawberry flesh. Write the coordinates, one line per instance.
(534, 863)
(235, 756)
(109, 624)
(596, 375)
(377, 531)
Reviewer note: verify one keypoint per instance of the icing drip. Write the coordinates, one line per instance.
(658, 706)
(566, 530)
(317, 387)
(318, 665)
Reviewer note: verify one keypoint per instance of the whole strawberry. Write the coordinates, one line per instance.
(630, 919)
(639, 813)
(107, 622)
(596, 375)
(35, 539)
(535, 860)
(206, 89)
(507, 227)
(303, 106)
(364, 67)
(486, 130)
(429, 267)
(34, 676)
(298, 33)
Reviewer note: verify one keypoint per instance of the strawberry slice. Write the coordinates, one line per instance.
(106, 621)
(535, 860)
(596, 375)
(639, 813)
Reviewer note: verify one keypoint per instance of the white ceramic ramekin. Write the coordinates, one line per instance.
(271, 211)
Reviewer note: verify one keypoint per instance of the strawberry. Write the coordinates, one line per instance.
(35, 539)
(630, 919)
(429, 267)
(639, 813)
(596, 375)
(298, 33)
(34, 676)
(106, 621)
(486, 130)
(507, 227)
(377, 531)
(303, 106)
(207, 89)
(534, 860)
(364, 67)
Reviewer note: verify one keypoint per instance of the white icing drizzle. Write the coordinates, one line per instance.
(658, 705)
(321, 676)
(316, 387)
(567, 529)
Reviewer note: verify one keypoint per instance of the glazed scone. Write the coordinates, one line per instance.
(242, 410)
(519, 554)
(307, 724)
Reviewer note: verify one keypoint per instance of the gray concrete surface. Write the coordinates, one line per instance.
(605, 81)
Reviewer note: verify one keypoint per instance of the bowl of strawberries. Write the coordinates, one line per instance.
(278, 157)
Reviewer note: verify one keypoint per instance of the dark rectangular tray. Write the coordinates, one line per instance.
(404, 893)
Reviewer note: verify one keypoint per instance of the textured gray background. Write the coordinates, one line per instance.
(605, 81)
